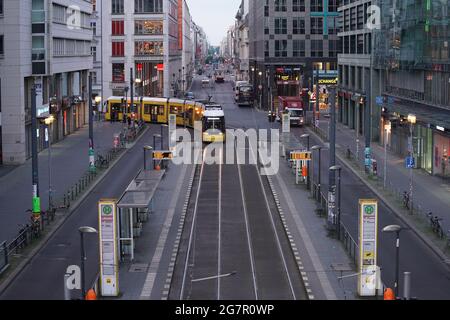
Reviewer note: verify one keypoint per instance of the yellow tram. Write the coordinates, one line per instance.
(155, 110)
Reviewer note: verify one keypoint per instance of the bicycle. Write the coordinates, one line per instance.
(101, 162)
(436, 225)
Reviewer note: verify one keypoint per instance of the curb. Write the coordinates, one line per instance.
(293, 246)
(435, 249)
(170, 271)
(9, 279)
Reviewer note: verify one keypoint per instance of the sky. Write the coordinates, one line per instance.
(214, 16)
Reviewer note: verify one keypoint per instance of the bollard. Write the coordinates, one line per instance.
(407, 286)
(67, 295)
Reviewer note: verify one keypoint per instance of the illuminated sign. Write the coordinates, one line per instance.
(162, 155)
(160, 67)
(296, 155)
(328, 81)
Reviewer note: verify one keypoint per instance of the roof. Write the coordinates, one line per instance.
(140, 191)
(213, 113)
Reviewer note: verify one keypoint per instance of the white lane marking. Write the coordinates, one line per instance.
(186, 263)
(247, 227)
(269, 211)
(323, 279)
(156, 260)
(219, 257)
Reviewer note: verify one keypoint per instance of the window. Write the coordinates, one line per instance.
(266, 48)
(333, 48)
(280, 5)
(1, 45)
(117, 28)
(148, 6)
(58, 47)
(94, 52)
(148, 48)
(117, 6)
(317, 25)
(352, 44)
(333, 5)
(118, 72)
(1, 7)
(280, 48)
(148, 27)
(360, 44)
(333, 25)
(316, 48)
(316, 5)
(280, 26)
(298, 5)
(118, 49)
(298, 48)
(38, 50)
(298, 26)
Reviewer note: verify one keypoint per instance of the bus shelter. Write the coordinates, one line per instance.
(134, 208)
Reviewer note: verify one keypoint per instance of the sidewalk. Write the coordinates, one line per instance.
(69, 161)
(324, 259)
(430, 193)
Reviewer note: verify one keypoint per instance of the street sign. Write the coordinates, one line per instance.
(379, 101)
(299, 155)
(410, 162)
(162, 155)
(368, 238)
(109, 270)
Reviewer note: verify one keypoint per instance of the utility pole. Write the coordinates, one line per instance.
(34, 162)
(317, 97)
(131, 91)
(91, 128)
(331, 174)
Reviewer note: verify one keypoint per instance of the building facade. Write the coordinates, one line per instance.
(288, 40)
(412, 67)
(242, 48)
(45, 44)
(354, 64)
(145, 36)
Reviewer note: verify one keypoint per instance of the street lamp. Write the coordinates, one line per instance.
(306, 136)
(82, 231)
(387, 130)
(319, 149)
(98, 100)
(338, 169)
(412, 119)
(146, 148)
(48, 121)
(395, 229)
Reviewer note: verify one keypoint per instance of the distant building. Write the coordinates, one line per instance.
(288, 39)
(45, 44)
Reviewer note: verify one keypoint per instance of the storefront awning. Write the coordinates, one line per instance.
(433, 116)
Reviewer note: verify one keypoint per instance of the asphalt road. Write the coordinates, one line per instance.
(236, 244)
(430, 277)
(43, 277)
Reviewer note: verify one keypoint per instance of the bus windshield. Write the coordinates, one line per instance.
(213, 124)
(246, 89)
(296, 113)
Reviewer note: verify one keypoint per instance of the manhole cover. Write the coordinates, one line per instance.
(138, 268)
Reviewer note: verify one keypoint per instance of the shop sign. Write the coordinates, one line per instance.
(328, 81)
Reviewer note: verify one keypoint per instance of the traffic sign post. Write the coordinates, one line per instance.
(368, 243)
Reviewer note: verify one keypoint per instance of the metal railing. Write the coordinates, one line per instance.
(415, 211)
(29, 233)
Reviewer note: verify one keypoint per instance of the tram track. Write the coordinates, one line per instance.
(234, 246)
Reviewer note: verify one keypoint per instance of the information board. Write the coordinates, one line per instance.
(286, 122)
(109, 269)
(368, 238)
